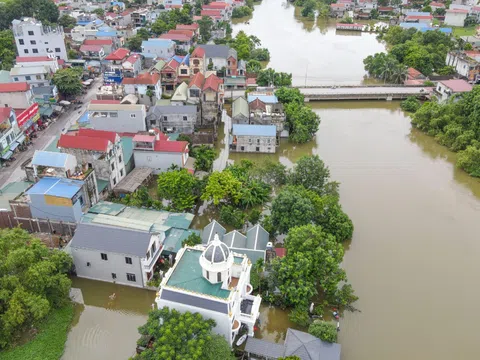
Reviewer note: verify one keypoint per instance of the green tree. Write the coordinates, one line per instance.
(159, 26)
(254, 66)
(469, 160)
(232, 216)
(241, 11)
(68, 81)
(302, 121)
(179, 187)
(270, 77)
(204, 156)
(33, 281)
(254, 216)
(311, 173)
(470, 21)
(217, 348)
(46, 11)
(72, 54)
(410, 104)
(192, 240)
(309, 8)
(67, 21)
(7, 49)
(135, 43)
(323, 330)
(288, 95)
(205, 28)
(143, 33)
(222, 186)
(176, 335)
(100, 12)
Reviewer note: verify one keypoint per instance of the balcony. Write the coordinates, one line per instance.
(250, 309)
(236, 325)
(148, 264)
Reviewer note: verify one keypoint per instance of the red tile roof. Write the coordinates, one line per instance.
(5, 113)
(457, 11)
(105, 102)
(457, 85)
(98, 42)
(177, 37)
(100, 134)
(170, 146)
(251, 81)
(118, 54)
(437, 4)
(91, 48)
(413, 73)
(172, 64)
(212, 82)
(216, 5)
(83, 143)
(185, 32)
(198, 52)
(132, 59)
(257, 104)
(192, 27)
(144, 138)
(337, 6)
(144, 79)
(385, 8)
(419, 17)
(14, 87)
(197, 80)
(33, 58)
(215, 13)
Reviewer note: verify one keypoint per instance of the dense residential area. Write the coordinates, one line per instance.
(235, 179)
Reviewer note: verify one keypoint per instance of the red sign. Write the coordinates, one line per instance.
(27, 114)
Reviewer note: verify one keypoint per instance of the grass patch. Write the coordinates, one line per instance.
(49, 343)
(464, 31)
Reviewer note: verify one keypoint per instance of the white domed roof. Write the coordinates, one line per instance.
(217, 256)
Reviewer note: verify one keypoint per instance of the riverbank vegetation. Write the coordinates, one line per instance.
(323, 330)
(34, 284)
(169, 334)
(454, 124)
(425, 52)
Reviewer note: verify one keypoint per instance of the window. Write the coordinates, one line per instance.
(183, 71)
(249, 141)
(208, 275)
(113, 114)
(81, 200)
(28, 77)
(219, 276)
(120, 158)
(165, 118)
(132, 115)
(21, 42)
(257, 149)
(46, 42)
(25, 51)
(258, 141)
(114, 276)
(30, 33)
(121, 172)
(113, 166)
(148, 255)
(131, 277)
(38, 77)
(153, 248)
(90, 166)
(242, 148)
(35, 51)
(57, 50)
(128, 260)
(185, 118)
(15, 79)
(228, 62)
(153, 123)
(268, 141)
(114, 181)
(33, 42)
(104, 256)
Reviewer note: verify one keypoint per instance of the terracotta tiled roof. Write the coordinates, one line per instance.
(132, 59)
(98, 42)
(177, 37)
(118, 54)
(198, 52)
(338, 6)
(5, 113)
(100, 134)
(188, 33)
(82, 143)
(437, 4)
(33, 58)
(172, 64)
(188, 27)
(212, 82)
(457, 11)
(144, 79)
(216, 5)
(413, 73)
(457, 85)
(197, 80)
(257, 104)
(215, 13)
(14, 87)
(91, 48)
(419, 17)
(170, 146)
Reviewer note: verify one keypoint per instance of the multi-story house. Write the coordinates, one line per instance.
(16, 95)
(162, 48)
(33, 61)
(192, 27)
(92, 52)
(211, 100)
(115, 254)
(218, 57)
(33, 75)
(120, 118)
(113, 68)
(448, 88)
(154, 150)
(240, 111)
(9, 132)
(147, 87)
(224, 9)
(169, 75)
(140, 17)
(80, 33)
(132, 66)
(195, 88)
(197, 61)
(183, 39)
(215, 282)
(267, 113)
(100, 150)
(34, 39)
(254, 138)
(183, 70)
(466, 63)
(119, 19)
(173, 118)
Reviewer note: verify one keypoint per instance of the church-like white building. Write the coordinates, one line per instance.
(215, 282)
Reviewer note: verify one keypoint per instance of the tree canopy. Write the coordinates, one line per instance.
(68, 81)
(67, 21)
(179, 187)
(323, 330)
(33, 281)
(7, 49)
(204, 157)
(247, 47)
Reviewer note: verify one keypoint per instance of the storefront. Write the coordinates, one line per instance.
(29, 119)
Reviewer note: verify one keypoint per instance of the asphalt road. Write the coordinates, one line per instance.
(45, 137)
(221, 162)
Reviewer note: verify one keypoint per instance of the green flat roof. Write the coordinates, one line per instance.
(127, 145)
(237, 260)
(173, 241)
(11, 191)
(107, 208)
(252, 255)
(188, 276)
(53, 145)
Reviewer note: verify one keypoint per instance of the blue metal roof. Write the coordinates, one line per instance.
(418, 13)
(64, 188)
(424, 27)
(157, 43)
(106, 33)
(268, 99)
(417, 26)
(84, 118)
(258, 130)
(50, 159)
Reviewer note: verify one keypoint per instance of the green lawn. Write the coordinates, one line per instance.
(50, 340)
(463, 31)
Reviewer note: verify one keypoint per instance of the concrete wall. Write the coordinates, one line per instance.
(119, 121)
(31, 79)
(53, 41)
(260, 144)
(176, 122)
(41, 208)
(16, 100)
(455, 19)
(102, 269)
(158, 161)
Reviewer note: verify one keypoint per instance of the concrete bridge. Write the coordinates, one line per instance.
(380, 92)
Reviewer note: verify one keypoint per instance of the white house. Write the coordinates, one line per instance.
(447, 88)
(147, 87)
(132, 66)
(34, 75)
(34, 39)
(466, 63)
(117, 117)
(162, 48)
(215, 282)
(9, 131)
(16, 95)
(456, 17)
(28, 61)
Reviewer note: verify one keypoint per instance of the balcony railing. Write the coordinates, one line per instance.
(153, 259)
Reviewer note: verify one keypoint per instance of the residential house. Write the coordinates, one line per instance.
(32, 38)
(195, 88)
(9, 132)
(436, 5)
(92, 52)
(107, 33)
(169, 75)
(113, 66)
(338, 10)
(414, 77)
(298, 344)
(349, 4)
(132, 66)
(215, 282)
(218, 57)
(466, 63)
(140, 17)
(34, 61)
(235, 83)
(173, 4)
(215, 15)
(224, 9)
(254, 138)
(183, 69)
(155, 151)
(147, 87)
(162, 48)
(211, 100)
(64, 166)
(180, 96)
(240, 111)
(16, 95)
(100, 150)
(80, 33)
(119, 19)
(419, 17)
(455, 17)
(192, 27)
(183, 39)
(115, 254)
(446, 89)
(173, 118)
(385, 10)
(45, 94)
(57, 199)
(267, 113)
(111, 91)
(197, 61)
(117, 117)
(34, 75)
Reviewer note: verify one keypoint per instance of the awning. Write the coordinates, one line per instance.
(58, 108)
(7, 155)
(21, 139)
(46, 111)
(14, 145)
(64, 102)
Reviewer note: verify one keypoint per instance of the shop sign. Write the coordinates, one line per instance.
(29, 114)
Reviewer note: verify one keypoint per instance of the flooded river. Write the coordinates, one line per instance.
(413, 260)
